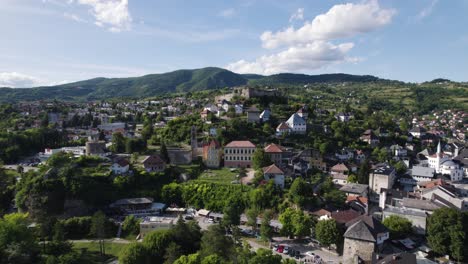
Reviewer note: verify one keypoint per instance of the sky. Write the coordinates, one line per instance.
(48, 42)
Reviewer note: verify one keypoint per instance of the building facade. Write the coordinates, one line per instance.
(239, 154)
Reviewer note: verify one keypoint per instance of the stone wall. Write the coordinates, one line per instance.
(352, 247)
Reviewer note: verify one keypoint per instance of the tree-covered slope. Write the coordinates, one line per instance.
(176, 81)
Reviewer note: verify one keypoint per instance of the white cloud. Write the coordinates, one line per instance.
(344, 20)
(17, 80)
(427, 11)
(74, 17)
(300, 58)
(112, 14)
(298, 15)
(309, 48)
(227, 13)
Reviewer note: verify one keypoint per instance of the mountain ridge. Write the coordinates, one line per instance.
(184, 80)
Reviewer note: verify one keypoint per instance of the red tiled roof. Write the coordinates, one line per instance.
(343, 217)
(272, 169)
(282, 126)
(339, 168)
(273, 148)
(360, 199)
(240, 144)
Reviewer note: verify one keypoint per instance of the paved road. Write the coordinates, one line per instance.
(15, 167)
(325, 256)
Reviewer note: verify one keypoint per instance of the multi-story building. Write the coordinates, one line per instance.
(297, 124)
(275, 152)
(382, 177)
(239, 154)
(212, 153)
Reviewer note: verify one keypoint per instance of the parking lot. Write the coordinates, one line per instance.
(303, 248)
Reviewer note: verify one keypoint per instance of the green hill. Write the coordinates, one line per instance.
(158, 84)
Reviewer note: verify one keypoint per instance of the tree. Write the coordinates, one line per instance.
(352, 178)
(326, 232)
(265, 256)
(118, 143)
(251, 218)
(134, 253)
(98, 229)
(266, 231)
(398, 226)
(260, 159)
(447, 232)
(232, 212)
(363, 172)
(215, 242)
(164, 153)
(17, 243)
(131, 225)
(156, 243)
(299, 191)
(295, 223)
(190, 259)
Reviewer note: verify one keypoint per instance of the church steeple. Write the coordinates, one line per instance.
(439, 149)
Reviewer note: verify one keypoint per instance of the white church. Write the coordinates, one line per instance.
(443, 164)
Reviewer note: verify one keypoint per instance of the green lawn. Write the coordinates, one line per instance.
(220, 176)
(111, 248)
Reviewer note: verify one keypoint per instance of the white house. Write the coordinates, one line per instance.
(272, 172)
(297, 124)
(120, 167)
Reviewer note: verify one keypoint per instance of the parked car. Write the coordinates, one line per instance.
(211, 221)
(188, 217)
(275, 247)
(310, 254)
(297, 255)
(280, 248)
(286, 250)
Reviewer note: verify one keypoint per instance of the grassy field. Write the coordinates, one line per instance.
(111, 248)
(220, 176)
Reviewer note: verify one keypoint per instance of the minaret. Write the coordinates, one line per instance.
(438, 156)
(194, 142)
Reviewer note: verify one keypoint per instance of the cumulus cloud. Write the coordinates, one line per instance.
(227, 13)
(311, 47)
(427, 11)
(112, 14)
(300, 58)
(298, 15)
(344, 20)
(17, 80)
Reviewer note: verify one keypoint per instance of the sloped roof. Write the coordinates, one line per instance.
(354, 188)
(296, 119)
(240, 144)
(339, 167)
(343, 217)
(153, 159)
(282, 126)
(364, 228)
(272, 169)
(122, 162)
(273, 148)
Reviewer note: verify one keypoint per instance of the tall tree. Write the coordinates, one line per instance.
(266, 231)
(164, 153)
(326, 232)
(98, 229)
(447, 231)
(399, 226)
(118, 142)
(260, 159)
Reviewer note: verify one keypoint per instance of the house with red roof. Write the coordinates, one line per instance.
(239, 154)
(275, 152)
(274, 173)
(154, 163)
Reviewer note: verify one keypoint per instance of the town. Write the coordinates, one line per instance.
(220, 175)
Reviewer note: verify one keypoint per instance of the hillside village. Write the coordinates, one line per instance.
(313, 183)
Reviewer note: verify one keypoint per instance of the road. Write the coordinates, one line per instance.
(15, 167)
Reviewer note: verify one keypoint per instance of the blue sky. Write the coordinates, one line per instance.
(54, 41)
